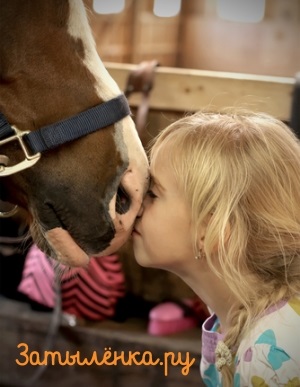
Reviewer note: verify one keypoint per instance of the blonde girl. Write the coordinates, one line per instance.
(223, 213)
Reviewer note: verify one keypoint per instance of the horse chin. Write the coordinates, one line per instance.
(65, 248)
(66, 251)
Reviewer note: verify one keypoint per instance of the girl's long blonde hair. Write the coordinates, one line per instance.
(244, 169)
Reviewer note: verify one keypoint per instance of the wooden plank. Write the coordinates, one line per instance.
(186, 90)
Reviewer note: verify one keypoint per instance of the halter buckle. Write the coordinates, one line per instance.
(29, 160)
(10, 213)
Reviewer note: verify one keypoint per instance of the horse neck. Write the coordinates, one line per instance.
(44, 76)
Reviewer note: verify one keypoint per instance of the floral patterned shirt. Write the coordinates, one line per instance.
(268, 356)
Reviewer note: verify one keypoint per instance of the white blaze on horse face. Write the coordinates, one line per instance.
(79, 28)
(135, 179)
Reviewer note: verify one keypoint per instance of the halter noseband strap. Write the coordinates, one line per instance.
(59, 133)
(84, 123)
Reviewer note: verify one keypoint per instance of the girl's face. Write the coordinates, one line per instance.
(162, 237)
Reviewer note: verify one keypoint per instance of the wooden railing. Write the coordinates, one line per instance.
(185, 90)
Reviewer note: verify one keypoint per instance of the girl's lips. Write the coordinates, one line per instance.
(135, 232)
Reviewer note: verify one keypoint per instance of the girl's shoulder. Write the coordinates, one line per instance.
(271, 350)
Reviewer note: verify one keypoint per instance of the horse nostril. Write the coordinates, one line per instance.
(123, 201)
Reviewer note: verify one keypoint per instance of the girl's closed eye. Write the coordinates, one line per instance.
(151, 194)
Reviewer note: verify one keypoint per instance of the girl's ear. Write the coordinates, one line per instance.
(201, 237)
(202, 233)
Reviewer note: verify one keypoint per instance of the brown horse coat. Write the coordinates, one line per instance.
(81, 198)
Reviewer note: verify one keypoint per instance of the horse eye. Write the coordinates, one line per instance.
(123, 201)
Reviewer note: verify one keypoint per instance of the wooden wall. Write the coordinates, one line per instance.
(271, 47)
(136, 34)
(197, 38)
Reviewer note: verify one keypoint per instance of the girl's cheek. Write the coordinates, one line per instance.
(147, 201)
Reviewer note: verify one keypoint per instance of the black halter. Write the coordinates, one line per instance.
(59, 133)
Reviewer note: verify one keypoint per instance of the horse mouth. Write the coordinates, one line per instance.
(56, 218)
(65, 231)
(50, 232)
(51, 217)
(64, 236)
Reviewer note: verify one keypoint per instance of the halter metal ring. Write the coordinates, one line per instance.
(29, 160)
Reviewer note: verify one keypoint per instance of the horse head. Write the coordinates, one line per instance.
(80, 188)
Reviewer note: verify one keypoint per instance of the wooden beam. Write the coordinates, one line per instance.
(186, 90)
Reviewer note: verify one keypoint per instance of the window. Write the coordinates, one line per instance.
(247, 11)
(166, 8)
(107, 7)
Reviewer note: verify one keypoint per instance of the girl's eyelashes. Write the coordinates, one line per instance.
(151, 194)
